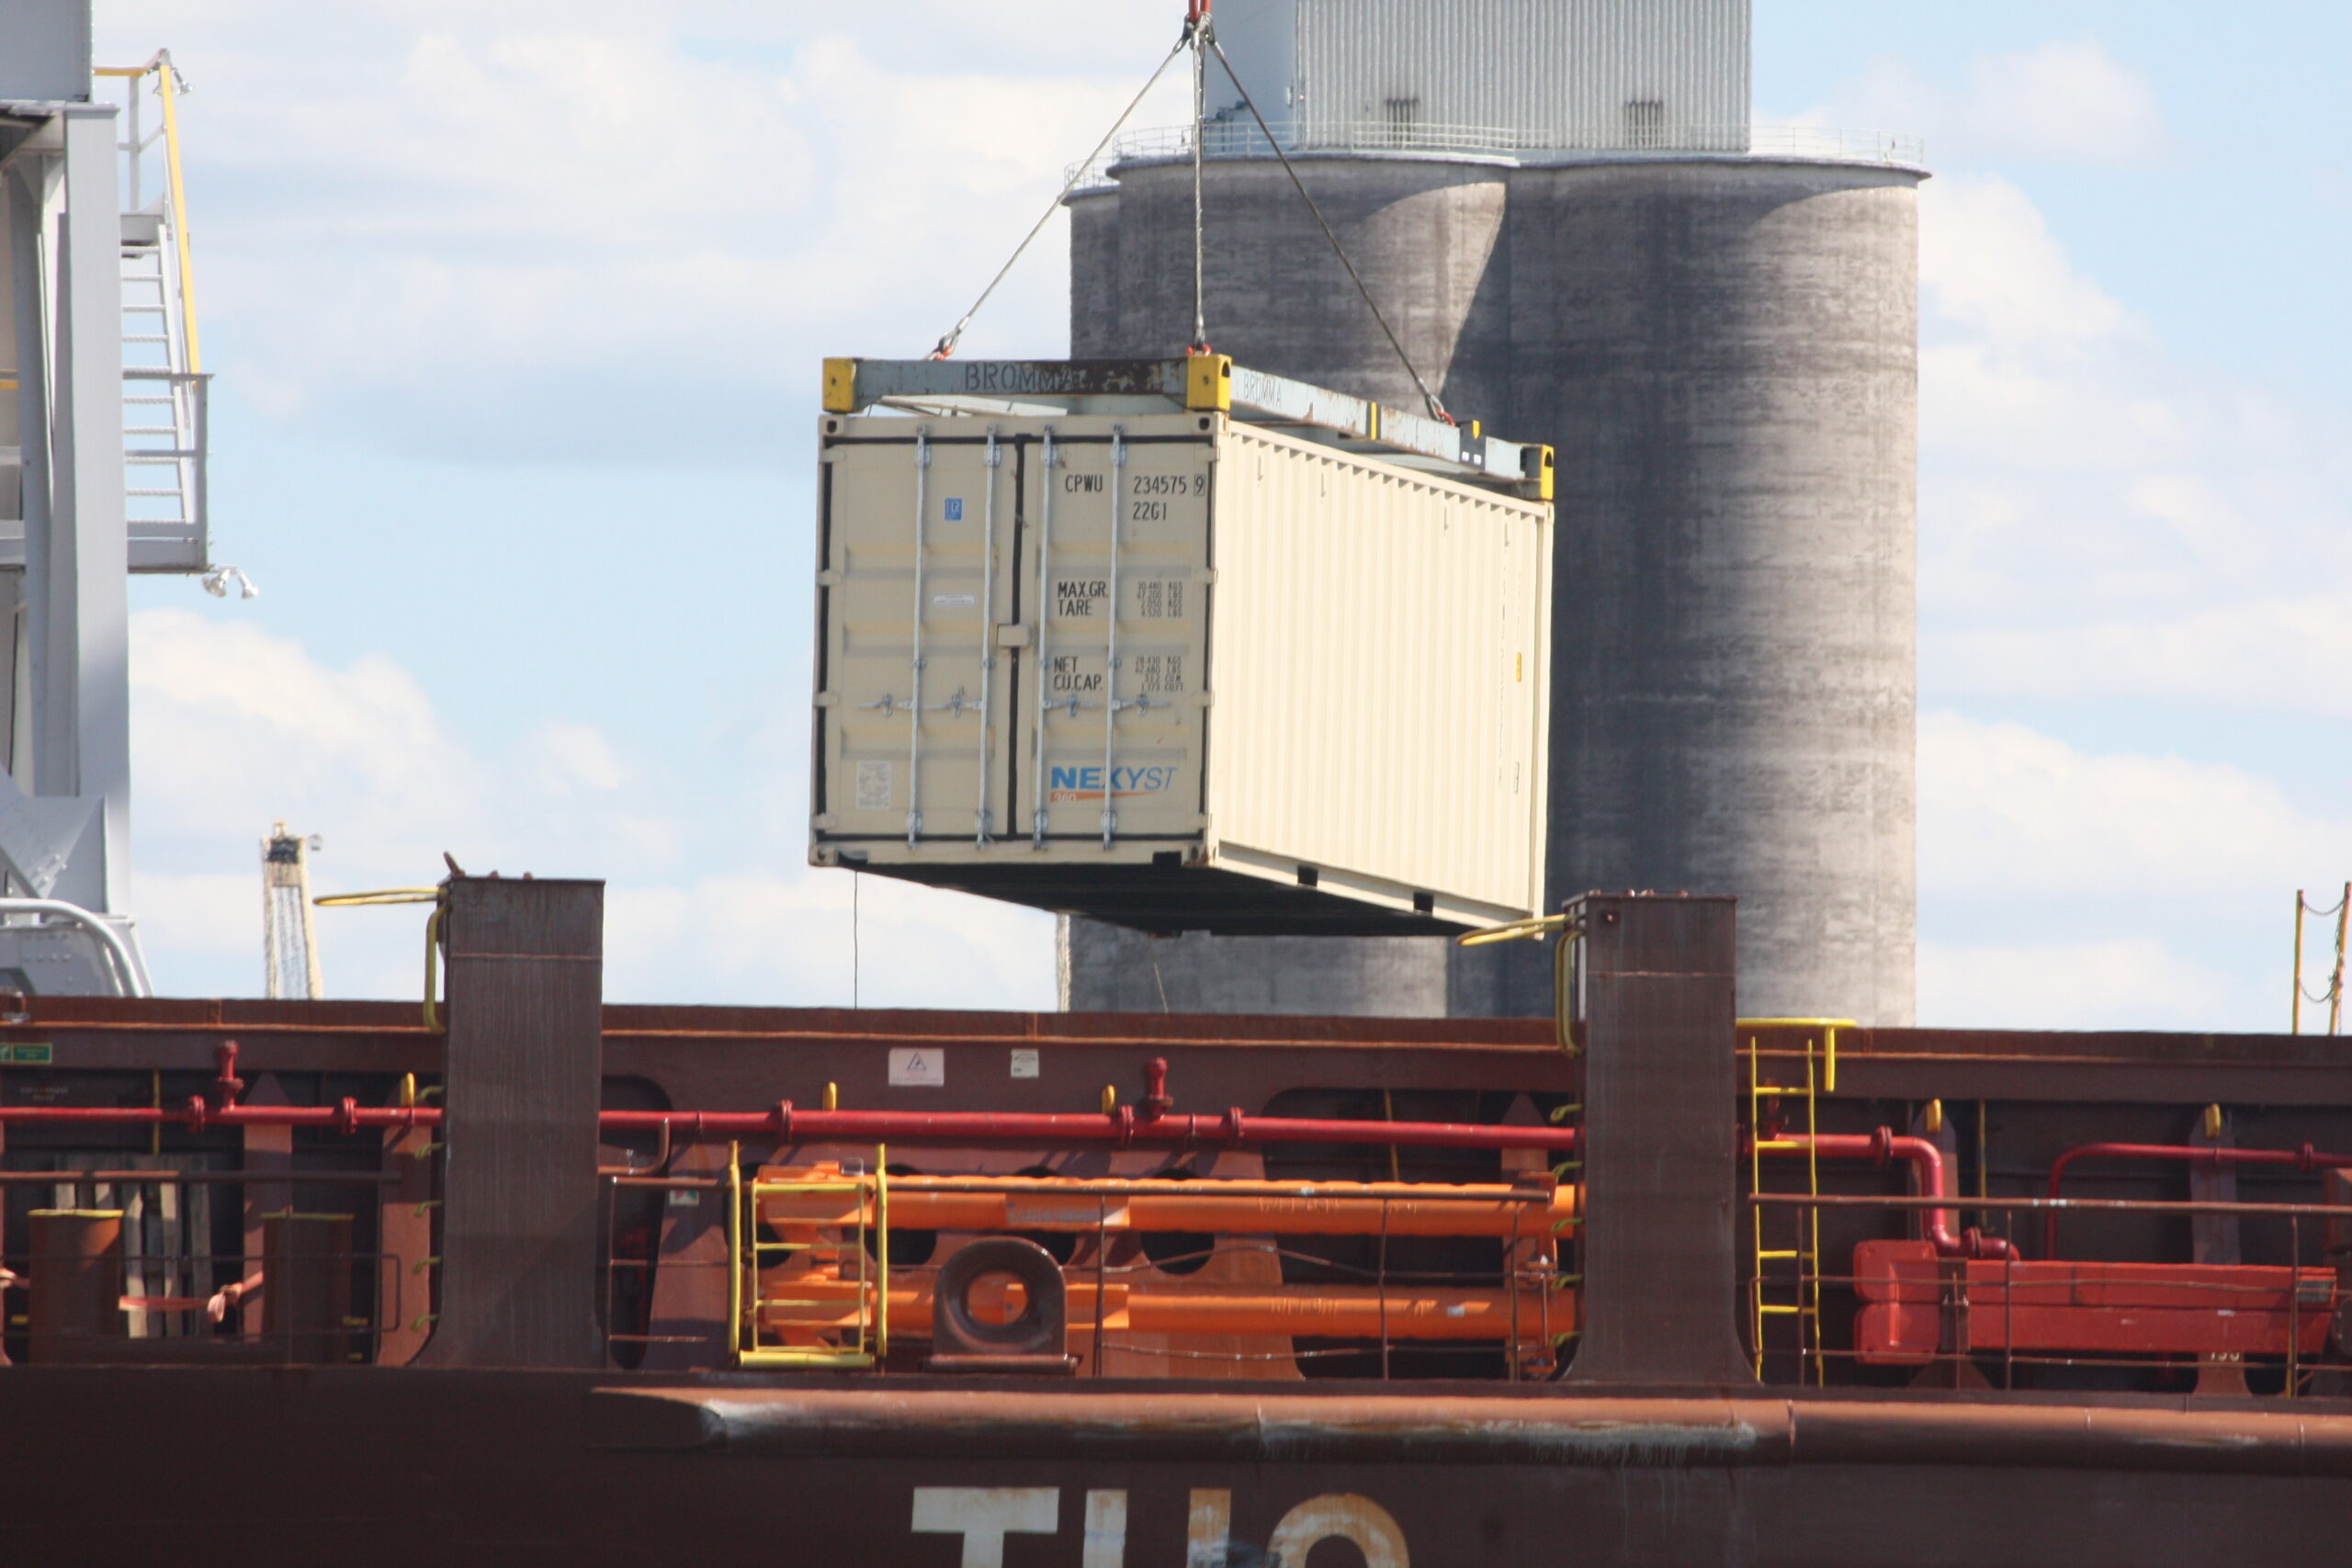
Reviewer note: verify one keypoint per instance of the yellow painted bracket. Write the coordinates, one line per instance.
(841, 386)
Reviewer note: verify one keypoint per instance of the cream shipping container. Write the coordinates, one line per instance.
(1179, 646)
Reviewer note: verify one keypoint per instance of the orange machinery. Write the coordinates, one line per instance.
(821, 1291)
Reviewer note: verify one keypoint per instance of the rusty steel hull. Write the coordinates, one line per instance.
(360, 1466)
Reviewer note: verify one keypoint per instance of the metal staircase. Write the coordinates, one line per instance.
(165, 438)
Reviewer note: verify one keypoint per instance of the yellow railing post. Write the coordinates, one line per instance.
(882, 1254)
(734, 1251)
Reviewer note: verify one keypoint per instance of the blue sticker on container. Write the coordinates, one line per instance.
(955, 509)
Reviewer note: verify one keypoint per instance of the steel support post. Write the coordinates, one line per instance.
(524, 1078)
(77, 588)
(1654, 1014)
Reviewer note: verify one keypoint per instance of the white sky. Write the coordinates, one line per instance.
(516, 307)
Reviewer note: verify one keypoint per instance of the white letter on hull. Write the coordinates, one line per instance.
(1106, 1530)
(1344, 1517)
(984, 1515)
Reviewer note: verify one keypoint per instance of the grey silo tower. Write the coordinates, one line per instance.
(1563, 209)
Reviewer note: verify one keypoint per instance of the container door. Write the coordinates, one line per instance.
(1115, 581)
(913, 696)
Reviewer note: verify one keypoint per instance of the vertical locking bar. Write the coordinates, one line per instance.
(915, 709)
(1111, 636)
(980, 823)
(1045, 628)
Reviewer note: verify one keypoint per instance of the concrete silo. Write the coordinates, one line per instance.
(1722, 345)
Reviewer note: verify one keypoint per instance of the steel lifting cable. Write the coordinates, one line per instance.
(1437, 409)
(955, 334)
(1195, 31)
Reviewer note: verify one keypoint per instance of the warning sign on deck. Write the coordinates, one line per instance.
(918, 1066)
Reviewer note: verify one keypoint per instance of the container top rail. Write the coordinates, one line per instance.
(1211, 382)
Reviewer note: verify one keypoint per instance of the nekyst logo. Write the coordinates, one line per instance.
(1086, 783)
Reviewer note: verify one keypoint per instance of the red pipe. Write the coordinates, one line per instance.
(346, 1116)
(785, 1123)
(1926, 1162)
(1122, 1127)
(2302, 1159)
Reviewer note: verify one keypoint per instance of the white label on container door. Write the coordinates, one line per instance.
(918, 1066)
(874, 787)
(954, 601)
(1024, 1061)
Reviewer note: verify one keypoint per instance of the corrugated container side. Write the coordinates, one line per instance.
(1377, 647)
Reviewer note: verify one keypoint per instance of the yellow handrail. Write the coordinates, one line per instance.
(381, 895)
(1512, 930)
(432, 932)
(168, 81)
(1532, 929)
(1831, 1026)
(433, 1024)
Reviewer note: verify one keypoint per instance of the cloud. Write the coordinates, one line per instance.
(2098, 518)
(2138, 982)
(2062, 102)
(229, 719)
(233, 729)
(2063, 887)
(2287, 655)
(602, 233)
(1990, 268)
(2005, 810)
(576, 756)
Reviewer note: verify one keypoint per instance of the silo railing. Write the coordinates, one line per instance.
(1242, 138)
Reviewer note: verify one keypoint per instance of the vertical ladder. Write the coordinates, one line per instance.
(1785, 1281)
